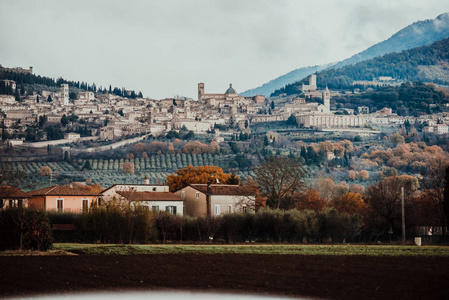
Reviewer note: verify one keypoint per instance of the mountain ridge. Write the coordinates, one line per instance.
(417, 34)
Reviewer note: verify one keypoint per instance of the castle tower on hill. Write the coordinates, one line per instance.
(200, 90)
(311, 86)
(65, 93)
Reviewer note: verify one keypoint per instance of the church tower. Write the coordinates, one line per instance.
(200, 90)
(327, 99)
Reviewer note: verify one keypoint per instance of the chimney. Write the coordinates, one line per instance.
(208, 195)
(147, 180)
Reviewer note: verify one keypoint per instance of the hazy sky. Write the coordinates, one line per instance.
(164, 47)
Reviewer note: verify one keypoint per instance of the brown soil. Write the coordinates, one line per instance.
(334, 277)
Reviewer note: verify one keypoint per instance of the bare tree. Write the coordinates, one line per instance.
(281, 180)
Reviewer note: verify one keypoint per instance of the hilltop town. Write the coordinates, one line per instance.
(91, 115)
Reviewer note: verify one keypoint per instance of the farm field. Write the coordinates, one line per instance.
(415, 273)
(369, 250)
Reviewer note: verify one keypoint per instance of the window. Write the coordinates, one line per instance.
(244, 208)
(197, 195)
(183, 194)
(171, 209)
(217, 209)
(85, 205)
(154, 189)
(15, 203)
(155, 208)
(60, 205)
(230, 209)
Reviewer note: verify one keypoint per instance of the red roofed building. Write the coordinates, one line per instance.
(62, 198)
(217, 199)
(12, 197)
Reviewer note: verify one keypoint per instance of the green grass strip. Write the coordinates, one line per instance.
(370, 250)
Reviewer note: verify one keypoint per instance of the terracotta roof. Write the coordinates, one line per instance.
(7, 192)
(63, 190)
(221, 189)
(150, 196)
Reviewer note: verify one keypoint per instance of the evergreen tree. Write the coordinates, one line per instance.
(446, 196)
(64, 120)
(265, 141)
(17, 95)
(49, 99)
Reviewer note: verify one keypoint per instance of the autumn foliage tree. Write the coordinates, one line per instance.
(203, 174)
(349, 203)
(128, 168)
(45, 171)
(311, 200)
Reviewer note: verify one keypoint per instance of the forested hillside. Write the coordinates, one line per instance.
(427, 64)
(408, 99)
(31, 82)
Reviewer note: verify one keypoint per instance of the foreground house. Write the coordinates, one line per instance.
(216, 199)
(12, 197)
(156, 201)
(154, 197)
(62, 198)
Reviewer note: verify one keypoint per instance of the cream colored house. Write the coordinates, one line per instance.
(222, 199)
(152, 197)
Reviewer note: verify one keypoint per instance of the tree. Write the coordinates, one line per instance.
(445, 204)
(49, 99)
(396, 138)
(364, 175)
(272, 105)
(384, 202)
(205, 174)
(42, 121)
(311, 200)
(64, 120)
(281, 180)
(349, 203)
(128, 168)
(17, 95)
(73, 118)
(45, 171)
(73, 95)
(87, 165)
(292, 120)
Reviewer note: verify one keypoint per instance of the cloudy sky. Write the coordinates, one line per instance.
(164, 48)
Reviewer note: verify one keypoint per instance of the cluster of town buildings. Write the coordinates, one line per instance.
(192, 200)
(109, 116)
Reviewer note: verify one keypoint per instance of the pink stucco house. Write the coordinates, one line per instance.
(62, 198)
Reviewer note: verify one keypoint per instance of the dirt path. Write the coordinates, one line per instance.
(335, 277)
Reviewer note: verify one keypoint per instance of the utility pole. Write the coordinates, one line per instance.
(403, 216)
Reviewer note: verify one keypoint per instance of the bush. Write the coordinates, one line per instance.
(25, 229)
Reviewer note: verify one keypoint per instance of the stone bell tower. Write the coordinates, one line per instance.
(200, 90)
